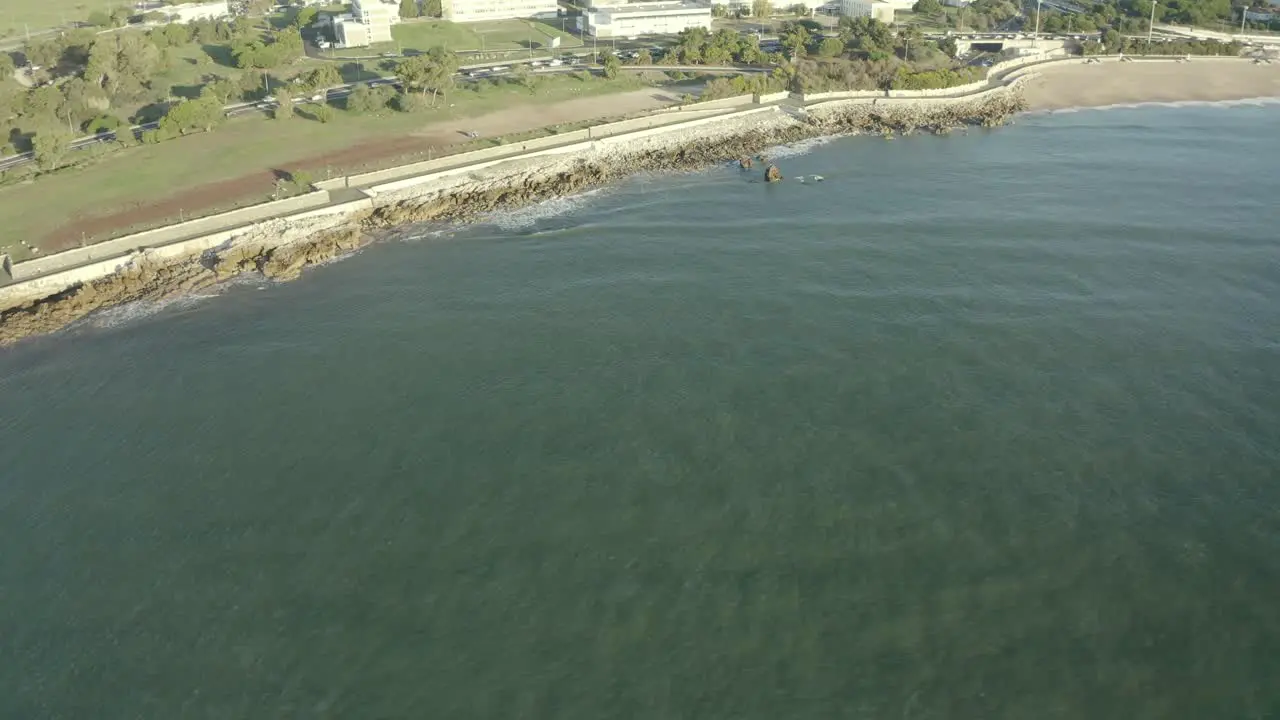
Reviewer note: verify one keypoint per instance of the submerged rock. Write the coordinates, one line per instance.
(773, 174)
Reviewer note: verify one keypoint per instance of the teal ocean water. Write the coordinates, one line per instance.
(985, 426)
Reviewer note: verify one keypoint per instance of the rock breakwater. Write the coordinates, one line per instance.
(503, 187)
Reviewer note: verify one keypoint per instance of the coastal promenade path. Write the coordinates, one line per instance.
(342, 194)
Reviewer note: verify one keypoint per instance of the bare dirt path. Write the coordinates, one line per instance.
(367, 154)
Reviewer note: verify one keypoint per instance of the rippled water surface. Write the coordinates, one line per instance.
(985, 426)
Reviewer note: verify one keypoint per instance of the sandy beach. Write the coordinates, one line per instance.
(1113, 83)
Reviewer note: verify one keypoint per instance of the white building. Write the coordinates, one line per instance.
(875, 9)
(644, 18)
(477, 10)
(957, 3)
(187, 12)
(370, 22)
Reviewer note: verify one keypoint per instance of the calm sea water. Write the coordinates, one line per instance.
(985, 426)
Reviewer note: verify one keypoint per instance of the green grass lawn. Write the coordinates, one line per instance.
(42, 14)
(145, 173)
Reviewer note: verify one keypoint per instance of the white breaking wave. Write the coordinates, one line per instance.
(802, 147)
(128, 313)
(529, 216)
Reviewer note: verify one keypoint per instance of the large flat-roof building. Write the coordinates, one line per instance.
(369, 22)
(645, 18)
(875, 9)
(478, 10)
(188, 12)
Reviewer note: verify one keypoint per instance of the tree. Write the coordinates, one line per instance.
(644, 57)
(99, 18)
(611, 64)
(201, 114)
(304, 17)
(1112, 40)
(44, 53)
(409, 9)
(434, 8)
(323, 77)
(50, 147)
(830, 47)
(322, 112)
(799, 9)
(415, 72)
(365, 99)
(6, 66)
(222, 89)
(523, 75)
(927, 7)
(409, 102)
(443, 65)
(719, 11)
(104, 123)
(761, 8)
(796, 39)
(301, 180)
(121, 16)
(284, 105)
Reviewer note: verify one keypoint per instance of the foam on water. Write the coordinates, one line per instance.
(803, 147)
(526, 218)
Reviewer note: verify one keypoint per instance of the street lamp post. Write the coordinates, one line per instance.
(1244, 15)
(1151, 25)
(1035, 38)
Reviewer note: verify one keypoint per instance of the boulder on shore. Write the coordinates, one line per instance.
(745, 163)
(773, 174)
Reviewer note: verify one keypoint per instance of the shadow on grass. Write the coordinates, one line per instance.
(150, 113)
(189, 92)
(220, 54)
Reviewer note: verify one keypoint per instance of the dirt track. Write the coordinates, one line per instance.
(375, 152)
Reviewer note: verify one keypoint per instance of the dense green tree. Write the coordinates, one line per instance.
(99, 18)
(927, 7)
(224, 89)
(304, 17)
(434, 8)
(322, 112)
(411, 102)
(121, 16)
(830, 47)
(284, 105)
(761, 8)
(50, 147)
(43, 53)
(409, 9)
(323, 77)
(948, 46)
(611, 64)
(103, 123)
(365, 99)
(201, 114)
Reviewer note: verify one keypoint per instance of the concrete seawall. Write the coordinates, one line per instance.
(294, 219)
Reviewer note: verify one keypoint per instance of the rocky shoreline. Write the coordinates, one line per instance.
(514, 185)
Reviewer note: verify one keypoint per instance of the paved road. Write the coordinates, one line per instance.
(342, 91)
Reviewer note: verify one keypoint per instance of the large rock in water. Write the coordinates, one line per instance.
(773, 174)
